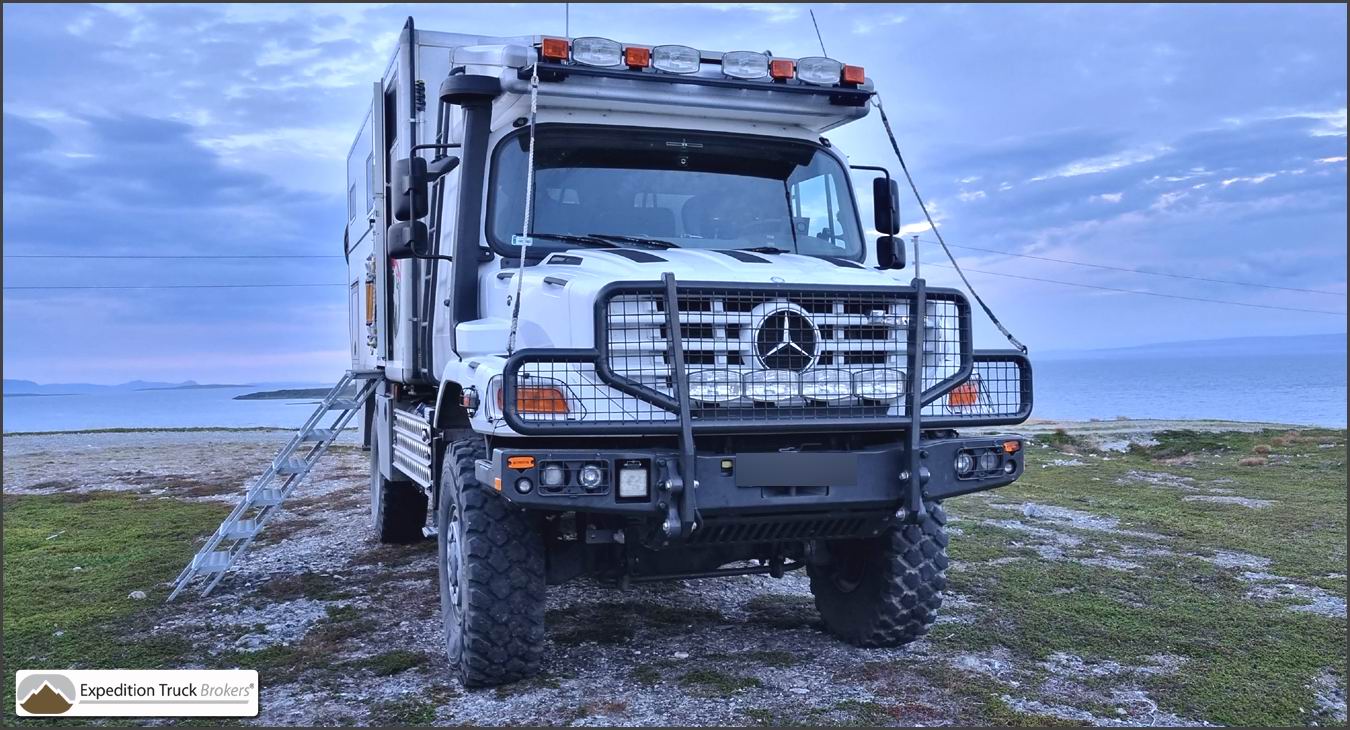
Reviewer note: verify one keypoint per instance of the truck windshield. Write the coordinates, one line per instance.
(693, 190)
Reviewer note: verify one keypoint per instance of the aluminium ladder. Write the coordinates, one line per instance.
(290, 467)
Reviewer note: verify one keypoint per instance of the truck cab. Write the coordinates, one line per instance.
(629, 325)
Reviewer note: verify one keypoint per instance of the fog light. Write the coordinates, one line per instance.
(771, 386)
(633, 481)
(964, 464)
(1009, 467)
(819, 70)
(988, 461)
(590, 476)
(524, 485)
(553, 476)
(597, 51)
(831, 386)
(675, 59)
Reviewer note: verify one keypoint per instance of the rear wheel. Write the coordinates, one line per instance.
(886, 590)
(491, 558)
(398, 509)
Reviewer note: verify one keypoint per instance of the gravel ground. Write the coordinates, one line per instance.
(317, 591)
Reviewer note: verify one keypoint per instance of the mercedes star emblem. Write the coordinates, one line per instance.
(787, 340)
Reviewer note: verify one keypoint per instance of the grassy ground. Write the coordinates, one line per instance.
(71, 562)
(1193, 575)
(1245, 661)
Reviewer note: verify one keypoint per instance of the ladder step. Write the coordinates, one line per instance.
(213, 562)
(343, 404)
(239, 529)
(266, 498)
(319, 434)
(292, 465)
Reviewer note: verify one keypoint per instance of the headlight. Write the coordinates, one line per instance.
(675, 59)
(826, 385)
(597, 52)
(964, 464)
(819, 70)
(881, 384)
(553, 475)
(590, 476)
(988, 461)
(714, 386)
(745, 65)
(771, 386)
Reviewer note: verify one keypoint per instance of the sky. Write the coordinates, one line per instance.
(1201, 141)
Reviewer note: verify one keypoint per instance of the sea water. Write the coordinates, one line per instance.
(1293, 389)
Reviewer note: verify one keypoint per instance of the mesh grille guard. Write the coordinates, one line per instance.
(766, 358)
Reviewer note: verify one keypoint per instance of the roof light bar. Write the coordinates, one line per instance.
(597, 52)
(853, 75)
(781, 69)
(637, 57)
(676, 59)
(745, 65)
(554, 49)
(819, 70)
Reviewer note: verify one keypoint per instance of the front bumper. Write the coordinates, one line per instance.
(752, 482)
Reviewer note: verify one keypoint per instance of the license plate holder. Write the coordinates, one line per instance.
(796, 469)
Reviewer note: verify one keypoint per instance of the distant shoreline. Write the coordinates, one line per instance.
(1031, 427)
(284, 394)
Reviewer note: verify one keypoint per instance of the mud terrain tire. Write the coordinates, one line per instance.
(398, 510)
(885, 590)
(491, 559)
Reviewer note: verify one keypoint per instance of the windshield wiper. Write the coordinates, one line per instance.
(652, 242)
(580, 240)
(765, 249)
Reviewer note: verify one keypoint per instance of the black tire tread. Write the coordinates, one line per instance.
(905, 600)
(502, 578)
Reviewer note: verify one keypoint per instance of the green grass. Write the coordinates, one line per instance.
(714, 683)
(121, 544)
(1248, 662)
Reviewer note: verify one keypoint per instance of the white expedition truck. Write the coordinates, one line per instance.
(683, 363)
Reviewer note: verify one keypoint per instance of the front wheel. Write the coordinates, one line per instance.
(885, 590)
(491, 559)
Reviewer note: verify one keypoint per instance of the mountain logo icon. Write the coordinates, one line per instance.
(46, 694)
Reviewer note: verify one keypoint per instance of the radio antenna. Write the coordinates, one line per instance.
(567, 20)
(816, 25)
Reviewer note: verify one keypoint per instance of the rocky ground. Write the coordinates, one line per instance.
(1136, 575)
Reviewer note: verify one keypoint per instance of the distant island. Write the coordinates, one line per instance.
(285, 394)
(197, 386)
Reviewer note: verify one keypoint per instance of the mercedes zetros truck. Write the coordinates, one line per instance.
(627, 324)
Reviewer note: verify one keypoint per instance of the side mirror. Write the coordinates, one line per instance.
(886, 206)
(406, 240)
(412, 182)
(890, 252)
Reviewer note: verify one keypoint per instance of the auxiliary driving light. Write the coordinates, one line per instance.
(675, 59)
(1009, 467)
(826, 385)
(771, 386)
(597, 51)
(524, 485)
(988, 461)
(714, 386)
(553, 475)
(745, 65)
(590, 476)
(633, 482)
(819, 70)
(964, 464)
(881, 384)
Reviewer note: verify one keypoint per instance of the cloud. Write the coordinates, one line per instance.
(1104, 163)
(1107, 198)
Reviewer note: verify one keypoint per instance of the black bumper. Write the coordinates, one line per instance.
(752, 483)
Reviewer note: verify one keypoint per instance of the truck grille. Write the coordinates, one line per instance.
(752, 355)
